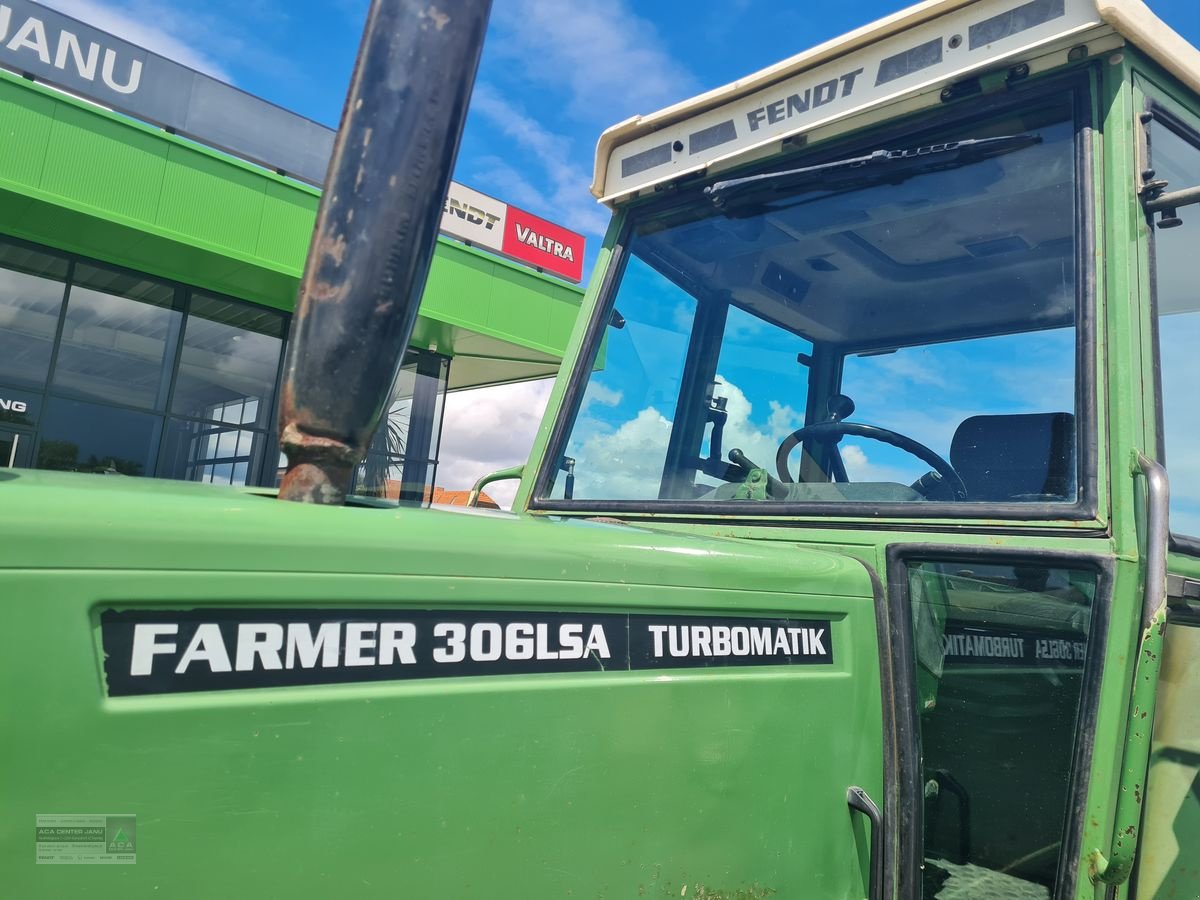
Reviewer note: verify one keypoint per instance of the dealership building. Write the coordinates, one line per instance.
(153, 228)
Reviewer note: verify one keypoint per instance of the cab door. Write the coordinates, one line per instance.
(1006, 656)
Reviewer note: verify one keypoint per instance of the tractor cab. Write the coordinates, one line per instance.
(890, 322)
(844, 564)
(921, 296)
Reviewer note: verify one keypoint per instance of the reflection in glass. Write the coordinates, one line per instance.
(229, 362)
(939, 307)
(31, 295)
(116, 335)
(1000, 663)
(19, 406)
(399, 464)
(200, 451)
(624, 420)
(86, 437)
(16, 448)
(1178, 297)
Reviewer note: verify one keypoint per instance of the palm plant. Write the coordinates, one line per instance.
(385, 453)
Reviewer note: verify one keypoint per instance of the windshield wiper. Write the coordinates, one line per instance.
(878, 166)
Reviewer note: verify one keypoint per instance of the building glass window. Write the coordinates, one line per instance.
(110, 371)
(116, 336)
(19, 407)
(229, 362)
(394, 468)
(32, 286)
(89, 437)
(204, 451)
(1178, 307)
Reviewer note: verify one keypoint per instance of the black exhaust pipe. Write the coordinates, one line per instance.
(375, 235)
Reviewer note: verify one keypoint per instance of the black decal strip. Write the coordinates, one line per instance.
(971, 645)
(647, 159)
(163, 652)
(913, 60)
(714, 136)
(1021, 18)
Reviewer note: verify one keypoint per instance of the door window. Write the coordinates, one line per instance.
(1000, 653)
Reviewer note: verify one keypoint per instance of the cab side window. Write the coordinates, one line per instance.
(1175, 157)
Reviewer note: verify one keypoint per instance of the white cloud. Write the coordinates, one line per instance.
(599, 393)
(595, 61)
(158, 27)
(859, 466)
(611, 62)
(626, 464)
(496, 174)
(567, 199)
(489, 429)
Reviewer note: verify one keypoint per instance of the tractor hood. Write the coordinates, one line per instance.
(73, 521)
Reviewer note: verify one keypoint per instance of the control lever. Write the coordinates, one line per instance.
(776, 489)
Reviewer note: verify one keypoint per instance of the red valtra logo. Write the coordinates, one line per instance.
(543, 244)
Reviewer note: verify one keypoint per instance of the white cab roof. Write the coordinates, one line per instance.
(909, 55)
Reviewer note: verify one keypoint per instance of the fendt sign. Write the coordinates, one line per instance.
(505, 229)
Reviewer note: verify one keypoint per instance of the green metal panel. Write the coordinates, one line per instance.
(26, 119)
(211, 201)
(287, 225)
(79, 178)
(102, 165)
(722, 782)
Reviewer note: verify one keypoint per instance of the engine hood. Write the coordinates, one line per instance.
(73, 521)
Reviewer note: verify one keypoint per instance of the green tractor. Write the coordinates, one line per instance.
(840, 566)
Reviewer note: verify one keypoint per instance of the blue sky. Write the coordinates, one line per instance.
(554, 74)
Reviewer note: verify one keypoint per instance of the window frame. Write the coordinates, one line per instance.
(1081, 86)
(262, 474)
(1156, 110)
(911, 785)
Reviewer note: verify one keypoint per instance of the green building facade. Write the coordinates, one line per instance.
(146, 287)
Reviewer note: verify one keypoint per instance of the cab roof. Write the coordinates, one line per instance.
(911, 54)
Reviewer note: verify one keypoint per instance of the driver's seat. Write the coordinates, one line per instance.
(1020, 457)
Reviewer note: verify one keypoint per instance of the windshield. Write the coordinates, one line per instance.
(909, 339)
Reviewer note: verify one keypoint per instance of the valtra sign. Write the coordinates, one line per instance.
(508, 230)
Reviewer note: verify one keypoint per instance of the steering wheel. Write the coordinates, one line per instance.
(835, 431)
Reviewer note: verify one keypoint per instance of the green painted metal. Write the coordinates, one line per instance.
(1117, 866)
(82, 179)
(599, 785)
(726, 783)
(509, 474)
(1124, 414)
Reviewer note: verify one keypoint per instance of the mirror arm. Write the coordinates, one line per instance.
(1168, 203)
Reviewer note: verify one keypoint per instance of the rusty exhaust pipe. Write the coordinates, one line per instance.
(375, 235)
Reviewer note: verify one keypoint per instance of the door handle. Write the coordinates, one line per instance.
(859, 801)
